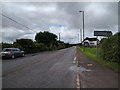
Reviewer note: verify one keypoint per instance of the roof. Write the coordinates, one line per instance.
(91, 39)
(10, 48)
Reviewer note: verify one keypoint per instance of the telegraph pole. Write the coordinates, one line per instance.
(59, 36)
(83, 28)
(83, 23)
(81, 34)
(78, 37)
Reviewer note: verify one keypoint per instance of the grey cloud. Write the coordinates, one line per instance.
(39, 16)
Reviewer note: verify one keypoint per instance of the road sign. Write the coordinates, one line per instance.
(102, 33)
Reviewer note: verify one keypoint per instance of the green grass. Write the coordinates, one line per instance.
(91, 53)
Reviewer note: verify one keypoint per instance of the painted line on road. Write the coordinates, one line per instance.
(78, 80)
(74, 61)
(74, 58)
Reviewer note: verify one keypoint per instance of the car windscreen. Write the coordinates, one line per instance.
(7, 50)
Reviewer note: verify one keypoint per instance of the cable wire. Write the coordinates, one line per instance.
(17, 22)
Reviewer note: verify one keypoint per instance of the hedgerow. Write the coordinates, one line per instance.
(110, 48)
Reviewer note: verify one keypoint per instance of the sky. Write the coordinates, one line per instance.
(57, 17)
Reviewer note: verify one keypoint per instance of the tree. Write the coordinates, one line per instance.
(7, 45)
(110, 48)
(25, 44)
(46, 38)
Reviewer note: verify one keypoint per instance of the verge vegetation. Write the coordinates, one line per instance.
(45, 41)
(91, 53)
(108, 52)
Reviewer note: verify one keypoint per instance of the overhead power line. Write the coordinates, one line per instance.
(17, 22)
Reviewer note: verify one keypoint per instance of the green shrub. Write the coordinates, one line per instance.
(7, 45)
(39, 47)
(26, 44)
(110, 49)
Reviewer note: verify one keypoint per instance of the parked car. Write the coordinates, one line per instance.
(12, 53)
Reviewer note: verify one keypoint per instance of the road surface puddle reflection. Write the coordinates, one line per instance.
(79, 69)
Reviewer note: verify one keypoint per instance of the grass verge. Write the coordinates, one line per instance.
(91, 53)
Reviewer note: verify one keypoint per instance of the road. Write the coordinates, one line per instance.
(66, 68)
(94, 75)
(43, 70)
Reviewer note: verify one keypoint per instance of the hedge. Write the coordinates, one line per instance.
(30, 46)
(110, 48)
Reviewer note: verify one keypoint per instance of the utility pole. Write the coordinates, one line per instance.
(78, 37)
(83, 26)
(83, 29)
(59, 36)
(81, 34)
(83, 23)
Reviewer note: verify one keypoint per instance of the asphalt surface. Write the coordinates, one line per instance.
(57, 69)
(41, 70)
(94, 75)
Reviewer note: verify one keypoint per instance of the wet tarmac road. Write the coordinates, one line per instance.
(42, 70)
(56, 69)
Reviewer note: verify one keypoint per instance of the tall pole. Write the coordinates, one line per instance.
(83, 29)
(59, 36)
(81, 35)
(83, 25)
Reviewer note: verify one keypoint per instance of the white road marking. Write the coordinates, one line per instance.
(78, 80)
(78, 74)
(74, 58)
(74, 61)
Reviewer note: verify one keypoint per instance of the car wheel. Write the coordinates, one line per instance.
(23, 55)
(13, 56)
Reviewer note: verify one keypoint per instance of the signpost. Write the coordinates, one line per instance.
(101, 33)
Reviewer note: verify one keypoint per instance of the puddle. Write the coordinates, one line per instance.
(79, 69)
(89, 65)
(73, 68)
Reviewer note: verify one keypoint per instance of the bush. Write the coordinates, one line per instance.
(110, 49)
(46, 37)
(39, 47)
(45, 41)
(25, 44)
(7, 45)
(29, 46)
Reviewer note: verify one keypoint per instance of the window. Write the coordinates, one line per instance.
(7, 50)
(91, 43)
(18, 49)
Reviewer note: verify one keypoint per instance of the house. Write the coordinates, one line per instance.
(90, 42)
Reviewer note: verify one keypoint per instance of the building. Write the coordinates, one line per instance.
(90, 42)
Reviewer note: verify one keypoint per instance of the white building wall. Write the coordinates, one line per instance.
(91, 43)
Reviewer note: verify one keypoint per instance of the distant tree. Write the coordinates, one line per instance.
(39, 47)
(25, 44)
(7, 45)
(46, 38)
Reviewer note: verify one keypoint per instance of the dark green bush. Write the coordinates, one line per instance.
(39, 47)
(110, 49)
(7, 45)
(26, 44)
(45, 41)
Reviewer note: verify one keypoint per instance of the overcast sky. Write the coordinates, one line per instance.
(61, 17)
